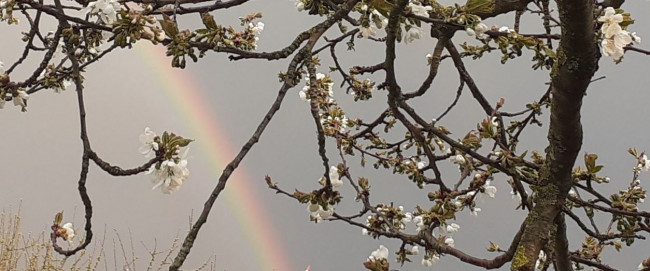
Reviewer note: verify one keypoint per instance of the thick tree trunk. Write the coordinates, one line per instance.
(577, 61)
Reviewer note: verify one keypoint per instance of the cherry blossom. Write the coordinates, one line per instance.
(300, 6)
(610, 22)
(379, 254)
(21, 99)
(420, 10)
(412, 34)
(479, 30)
(149, 145)
(368, 32)
(489, 190)
(169, 176)
(453, 227)
(256, 27)
(450, 241)
(335, 178)
(318, 214)
(106, 10)
(66, 232)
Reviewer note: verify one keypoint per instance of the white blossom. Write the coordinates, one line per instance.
(364, 231)
(334, 177)
(480, 30)
(421, 165)
(415, 250)
(458, 203)
(449, 241)
(106, 10)
(429, 261)
(495, 122)
(300, 6)
(610, 22)
(475, 211)
(572, 193)
(149, 146)
(505, 29)
(368, 32)
(540, 259)
(66, 84)
(420, 10)
(169, 176)
(613, 45)
(408, 217)
(379, 254)
(412, 34)
(21, 99)
(67, 232)
(256, 27)
(317, 212)
(644, 163)
(490, 190)
(458, 159)
(453, 227)
(614, 37)
(470, 32)
(419, 223)
(303, 94)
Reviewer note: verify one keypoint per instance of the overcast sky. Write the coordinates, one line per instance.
(41, 150)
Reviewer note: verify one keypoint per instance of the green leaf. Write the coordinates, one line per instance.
(58, 218)
(169, 26)
(208, 21)
(597, 168)
(382, 6)
(184, 142)
(480, 6)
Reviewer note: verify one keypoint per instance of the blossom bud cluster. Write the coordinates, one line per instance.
(332, 117)
(6, 11)
(18, 96)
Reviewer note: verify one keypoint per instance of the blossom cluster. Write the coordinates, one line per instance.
(615, 38)
(50, 80)
(18, 96)
(170, 173)
(387, 214)
(316, 211)
(373, 20)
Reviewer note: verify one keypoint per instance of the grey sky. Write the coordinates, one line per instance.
(41, 150)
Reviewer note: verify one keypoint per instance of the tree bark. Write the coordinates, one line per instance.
(577, 62)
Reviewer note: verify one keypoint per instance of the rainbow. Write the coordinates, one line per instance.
(187, 98)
